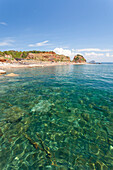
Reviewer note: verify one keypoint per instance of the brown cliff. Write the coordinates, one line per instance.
(48, 56)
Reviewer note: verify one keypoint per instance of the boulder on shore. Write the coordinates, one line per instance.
(2, 59)
(2, 72)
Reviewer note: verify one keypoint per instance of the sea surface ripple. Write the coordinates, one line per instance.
(58, 117)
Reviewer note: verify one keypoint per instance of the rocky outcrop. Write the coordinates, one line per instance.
(79, 59)
(48, 56)
(42, 106)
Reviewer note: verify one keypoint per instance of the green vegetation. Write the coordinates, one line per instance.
(77, 58)
(19, 54)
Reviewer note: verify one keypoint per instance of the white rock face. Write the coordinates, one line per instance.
(2, 72)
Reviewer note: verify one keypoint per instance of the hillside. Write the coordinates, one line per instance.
(33, 55)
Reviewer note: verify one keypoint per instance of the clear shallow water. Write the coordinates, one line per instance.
(66, 110)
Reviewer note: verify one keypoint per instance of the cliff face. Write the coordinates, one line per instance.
(33, 55)
(48, 56)
(79, 59)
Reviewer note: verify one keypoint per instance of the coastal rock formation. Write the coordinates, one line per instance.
(12, 56)
(48, 56)
(79, 59)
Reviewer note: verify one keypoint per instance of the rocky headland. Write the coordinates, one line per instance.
(79, 59)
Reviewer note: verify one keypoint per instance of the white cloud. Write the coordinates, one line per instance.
(62, 51)
(94, 54)
(44, 43)
(92, 50)
(65, 52)
(7, 42)
(3, 23)
(107, 54)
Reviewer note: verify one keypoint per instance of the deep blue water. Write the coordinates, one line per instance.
(57, 118)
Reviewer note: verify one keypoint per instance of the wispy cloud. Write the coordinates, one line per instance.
(92, 50)
(3, 23)
(44, 43)
(7, 42)
(94, 54)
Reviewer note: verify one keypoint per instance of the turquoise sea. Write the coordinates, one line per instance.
(57, 118)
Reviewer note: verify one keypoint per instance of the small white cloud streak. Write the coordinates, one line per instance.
(107, 54)
(92, 50)
(7, 43)
(94, 54)
(3, 23)
(44, 43)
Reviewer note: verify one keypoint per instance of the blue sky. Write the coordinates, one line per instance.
(65, 26)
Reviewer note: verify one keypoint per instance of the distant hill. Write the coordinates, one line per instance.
(92, 62)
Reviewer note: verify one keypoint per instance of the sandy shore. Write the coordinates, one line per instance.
(36, 64)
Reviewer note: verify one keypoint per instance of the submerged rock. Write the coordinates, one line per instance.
(14, 121)
(12, 75)
(13, 114)
(42, 106)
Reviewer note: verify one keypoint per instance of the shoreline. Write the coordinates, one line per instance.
(36, 64)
